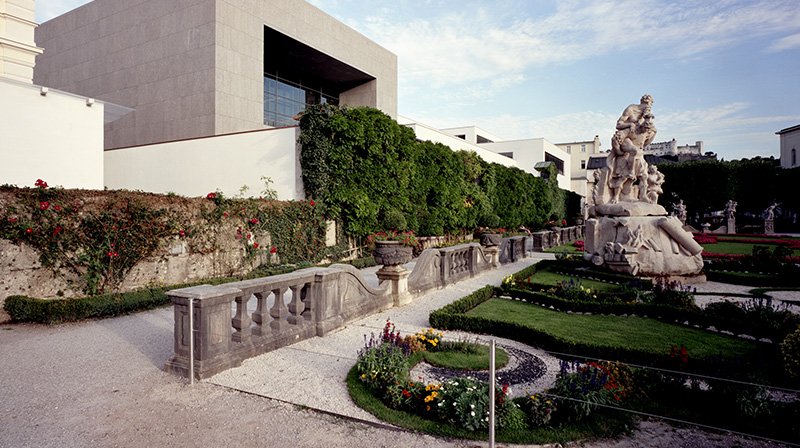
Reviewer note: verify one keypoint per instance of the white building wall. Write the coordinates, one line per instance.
(471, 133)
(55, 137)
(580, 152)
(199, 166)
(424, 132)
(529, 152)
(790, 141)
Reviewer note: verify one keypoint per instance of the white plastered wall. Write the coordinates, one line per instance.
(199, 166)
(55, 137)
(424, 132)
(528, 152)
(789, 141)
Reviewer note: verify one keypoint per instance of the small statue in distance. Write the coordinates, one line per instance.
(655, 179)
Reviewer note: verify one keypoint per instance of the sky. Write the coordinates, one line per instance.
(726, 72)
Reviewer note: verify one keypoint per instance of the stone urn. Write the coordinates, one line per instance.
(392, 253)
(490, 239)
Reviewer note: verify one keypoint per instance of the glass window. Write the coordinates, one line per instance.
(583, 164)
(284, 100)
(569, 149)
(583, 148)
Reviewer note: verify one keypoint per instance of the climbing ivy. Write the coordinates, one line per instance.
(367, 169)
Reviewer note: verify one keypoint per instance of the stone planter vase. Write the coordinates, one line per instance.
(391, 253)
(490, 239)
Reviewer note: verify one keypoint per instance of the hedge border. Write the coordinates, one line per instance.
(54, 311)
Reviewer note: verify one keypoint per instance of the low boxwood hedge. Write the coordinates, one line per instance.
(54, 311)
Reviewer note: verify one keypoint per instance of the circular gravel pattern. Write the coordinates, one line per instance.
(525, 372)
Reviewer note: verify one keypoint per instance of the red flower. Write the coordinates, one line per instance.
(406, 393)
(112, 254)
(40, 183)
(44, 205)
(563, 222)
(28, 230)
(225, 214)
(12, 220)
(312, 202)
(57, 230)
(273, 250)
(255, 245)
(211, 195)
(181, 233)
(253, 221)
(57, 208)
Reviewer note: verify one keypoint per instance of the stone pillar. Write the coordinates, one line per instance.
(731, 225)
(213, 348)
(769, 226)
(398, 276)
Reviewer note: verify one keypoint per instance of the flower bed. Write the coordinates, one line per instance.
(459, 406)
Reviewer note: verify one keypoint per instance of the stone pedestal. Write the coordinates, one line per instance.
(769, 226)
(647, 245)
(731, 228)
(398, 276)
(494, 254)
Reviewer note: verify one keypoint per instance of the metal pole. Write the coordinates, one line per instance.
(491, 394)
(191, 341)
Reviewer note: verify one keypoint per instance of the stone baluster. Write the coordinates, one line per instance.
(279, 312)
(296, 306)
(305, 296)
(261, 314)
(241, 320)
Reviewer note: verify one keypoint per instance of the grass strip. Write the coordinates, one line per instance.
(635, 334)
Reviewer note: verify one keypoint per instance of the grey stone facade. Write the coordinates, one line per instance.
(194, 68)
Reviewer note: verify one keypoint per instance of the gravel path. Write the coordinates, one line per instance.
(100, 384)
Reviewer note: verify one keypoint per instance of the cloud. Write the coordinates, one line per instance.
(477, 45)
(791, 42)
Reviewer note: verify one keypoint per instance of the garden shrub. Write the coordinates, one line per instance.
(580, 388)
(539, 409)
(382, 364)
(790, 349)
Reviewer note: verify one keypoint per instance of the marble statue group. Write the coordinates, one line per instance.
(627, 230)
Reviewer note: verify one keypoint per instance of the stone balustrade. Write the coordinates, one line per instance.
(551, 238)
(236, 321)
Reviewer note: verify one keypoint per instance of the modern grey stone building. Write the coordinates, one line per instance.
(196, 68)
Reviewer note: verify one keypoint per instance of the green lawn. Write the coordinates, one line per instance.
(568, 248)
(726, 247)
(476, 358)
(632, 333)
(552, 279)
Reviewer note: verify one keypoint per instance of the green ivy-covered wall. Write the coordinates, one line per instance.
(372, 174)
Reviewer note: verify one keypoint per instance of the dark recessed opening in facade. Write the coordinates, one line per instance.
(297, 75)
(559, 163)
(482, 139)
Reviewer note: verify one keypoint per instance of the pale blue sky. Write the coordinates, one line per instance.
(726, 72)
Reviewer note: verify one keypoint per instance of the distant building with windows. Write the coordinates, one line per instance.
(579, 153)
(202, 68)
(790, 144)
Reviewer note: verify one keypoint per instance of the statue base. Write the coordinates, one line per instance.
(769, 227)
(630, 208)
(648, 246)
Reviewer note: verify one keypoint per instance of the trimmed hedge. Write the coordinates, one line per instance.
(751, 279)
(55, 311)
